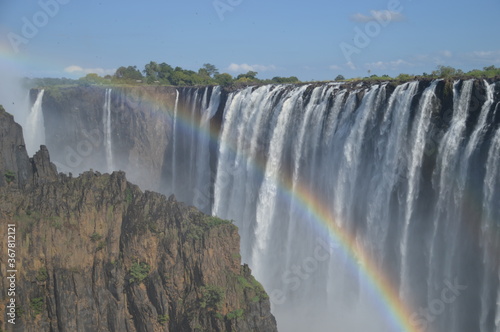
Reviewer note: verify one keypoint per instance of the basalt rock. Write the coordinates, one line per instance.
(95, 253)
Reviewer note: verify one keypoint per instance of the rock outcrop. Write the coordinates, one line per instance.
(95, 253)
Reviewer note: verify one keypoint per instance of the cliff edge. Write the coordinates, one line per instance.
(94, 253)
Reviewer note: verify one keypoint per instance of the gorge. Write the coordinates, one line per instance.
(360, 206)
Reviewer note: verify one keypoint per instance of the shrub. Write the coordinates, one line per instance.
(37, 305)
(212, 297)
(42, 274)
(162, 319)
(235, 314)
(139, 272)
(95, 237)
(10, 176)
(128, 195)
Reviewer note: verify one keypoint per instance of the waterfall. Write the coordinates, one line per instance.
(106, 117)
(204, 176)
(388, 170)
(174, 145)
(351, 197)
(35, 128)
(490, 235)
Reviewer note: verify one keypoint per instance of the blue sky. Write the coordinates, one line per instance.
(313, 40)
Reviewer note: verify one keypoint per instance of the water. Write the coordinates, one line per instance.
(106, 119)
(410, 172)
(398, 181)
(35, 127)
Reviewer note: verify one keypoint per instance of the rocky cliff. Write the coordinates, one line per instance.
(95, 253)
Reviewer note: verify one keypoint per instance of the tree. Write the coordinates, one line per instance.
(223, 79)
(339, 78)
(151, 71)
(291, 79)
(92, 78)
(210, 69)
(446, 71)
(128, 73)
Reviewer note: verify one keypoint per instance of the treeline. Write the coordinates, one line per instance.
(440, 72)
(164, 74)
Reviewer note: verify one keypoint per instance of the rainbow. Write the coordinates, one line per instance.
(384, 292)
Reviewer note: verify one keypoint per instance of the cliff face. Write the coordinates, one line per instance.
(94, 253)
(140, 129)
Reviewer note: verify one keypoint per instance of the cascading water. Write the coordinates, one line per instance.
(191, 177)
(35, 128)
(351, 198)
(367, 156)
(106, 120)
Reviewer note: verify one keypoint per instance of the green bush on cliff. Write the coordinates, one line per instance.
(138, 272)
(37, 305)
(42, 274)
(212, 297)
(162, 319)
(95, 237)
(214, 221)
(235, 314)
(10, 176)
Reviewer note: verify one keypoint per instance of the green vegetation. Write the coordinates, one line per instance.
(138, 272)
(440, 72)
(95, 237)
(19, 311)
(160, 74)
(164, 74)
(101, 245)
(162, 319)
(197, 225)
(10, 176)
(252, 284)
(37, 305)
(42, 274)
(128, 195)
(235, 314)
(57, 224)
(214, 221)
(212, 297)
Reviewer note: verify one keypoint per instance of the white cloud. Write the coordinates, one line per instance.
(335, 67)
(246, 67)
(74, 69)
(446, 54)
(351, 65)
(491, 56)
(378, 15)
(388, 64)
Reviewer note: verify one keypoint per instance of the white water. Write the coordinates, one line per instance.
(108, 144)
(174, 145)
(35, 127)
(415, 184)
